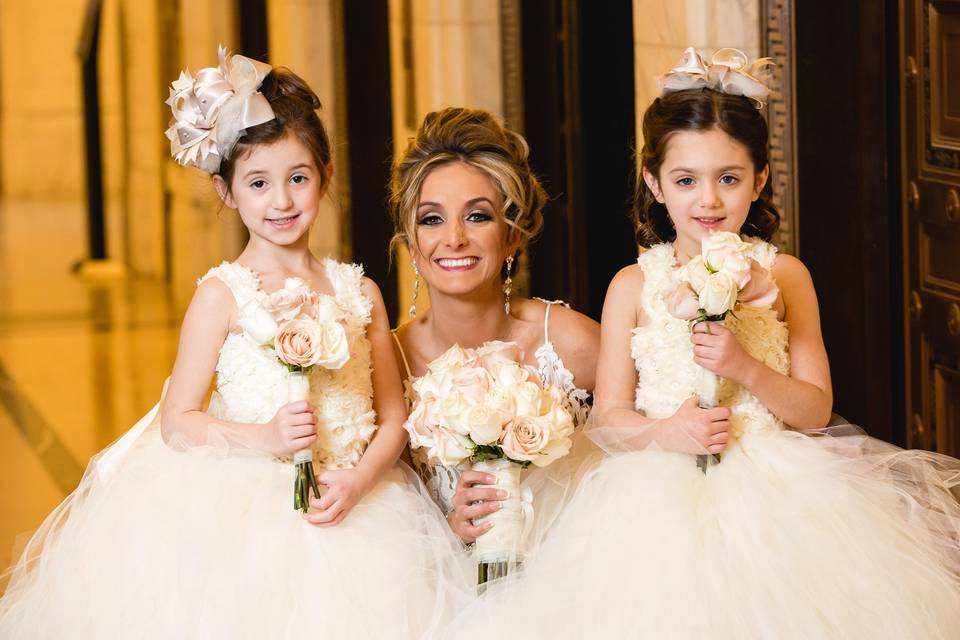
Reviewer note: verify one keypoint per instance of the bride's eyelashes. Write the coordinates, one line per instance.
(477, 216)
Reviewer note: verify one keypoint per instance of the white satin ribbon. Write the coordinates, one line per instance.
(729, 71)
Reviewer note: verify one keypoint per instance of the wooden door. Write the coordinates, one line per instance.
(930, 136)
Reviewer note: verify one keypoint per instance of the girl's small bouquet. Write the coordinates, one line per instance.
(302, 329)
(711, 286)
(482, 404)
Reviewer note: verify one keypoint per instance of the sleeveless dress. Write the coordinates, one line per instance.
(205, 543)
(790, 536)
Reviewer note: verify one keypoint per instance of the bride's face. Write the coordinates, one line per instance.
(461, 234)
(707, 183)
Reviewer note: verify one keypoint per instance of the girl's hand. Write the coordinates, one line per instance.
(345, 488)
(695, 430)
(471, 502)
(716, 348)
(294, 427)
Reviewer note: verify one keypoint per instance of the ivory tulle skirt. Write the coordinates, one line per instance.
(206, 544)
(788, 537)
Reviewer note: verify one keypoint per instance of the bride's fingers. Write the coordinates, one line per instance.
(479, 510)
(468, 496)
(470, 477)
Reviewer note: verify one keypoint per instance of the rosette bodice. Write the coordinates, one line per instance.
(252, 384)
(663, 352)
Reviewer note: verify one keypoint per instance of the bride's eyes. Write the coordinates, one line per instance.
(479, 215)
(430, 219)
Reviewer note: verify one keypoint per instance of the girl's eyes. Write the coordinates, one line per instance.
(685, 182)
(728, 179)
(298, 179)
(258, 184)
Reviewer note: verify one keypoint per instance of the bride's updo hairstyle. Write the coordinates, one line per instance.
(700, 110)
(295, 106)
(476, 138)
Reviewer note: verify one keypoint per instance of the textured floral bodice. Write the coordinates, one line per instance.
(252, 383)
(442, 480)
(663, 353)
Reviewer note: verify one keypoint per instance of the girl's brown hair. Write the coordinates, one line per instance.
(700, 110)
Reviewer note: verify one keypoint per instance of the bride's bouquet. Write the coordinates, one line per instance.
(302, 329)
(483, 405)
(711, 286)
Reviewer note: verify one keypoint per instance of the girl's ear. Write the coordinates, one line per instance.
(327, 174)
(761, 181)
(653, 184)
(223, 191)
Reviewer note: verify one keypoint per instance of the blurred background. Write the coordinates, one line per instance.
(102, 235)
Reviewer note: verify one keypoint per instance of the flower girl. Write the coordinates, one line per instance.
(723, 521)
(186, 527)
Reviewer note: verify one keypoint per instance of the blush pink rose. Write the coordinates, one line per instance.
(683, 303)
(298, 342)
(497, 351)
(725, 251)
(290, 301)
(760, 291)
(525, 437)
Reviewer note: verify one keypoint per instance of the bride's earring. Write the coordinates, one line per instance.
(508, 285)
(412, 312)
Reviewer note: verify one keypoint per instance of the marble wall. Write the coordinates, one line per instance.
(662, 29)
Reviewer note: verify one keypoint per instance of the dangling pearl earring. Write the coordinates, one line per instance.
(508, 285)
(412, 312)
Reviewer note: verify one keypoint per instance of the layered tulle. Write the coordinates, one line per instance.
(790, 536)
(205, 543)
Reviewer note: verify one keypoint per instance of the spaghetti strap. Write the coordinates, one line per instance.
(403, 356)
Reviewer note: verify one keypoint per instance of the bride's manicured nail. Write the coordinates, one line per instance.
(499, 505)
(491, 479)
(487, 525)
(502, 494)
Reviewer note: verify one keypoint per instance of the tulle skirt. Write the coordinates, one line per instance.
(789, 536)
(206, 544)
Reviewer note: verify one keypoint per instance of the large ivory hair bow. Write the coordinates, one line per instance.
(211, 110)
(729, 71)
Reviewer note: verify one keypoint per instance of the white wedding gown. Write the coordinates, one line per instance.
(790, 536)
(205, 543)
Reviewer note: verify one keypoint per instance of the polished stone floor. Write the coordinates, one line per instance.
(81, 360)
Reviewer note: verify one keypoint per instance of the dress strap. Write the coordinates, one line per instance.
(403, 356)
(546, 315)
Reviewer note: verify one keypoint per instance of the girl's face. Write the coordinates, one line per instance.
(707, 183)
(462, 238)
(276, 189)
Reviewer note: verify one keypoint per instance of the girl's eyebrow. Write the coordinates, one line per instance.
(730, 167)
(253, 172)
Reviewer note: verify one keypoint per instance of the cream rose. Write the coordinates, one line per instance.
(725, 251)
(497, 351)
(327, 309)
(257, 322)
(508, 374)
(287, 303)
(298, 342)
(719, 294)
(483, 425)
(450, 410)
(453, 358)
(526, 398)
(696, 273)
(334, 351)
(450, 448)
(683, 302)
(472, 382)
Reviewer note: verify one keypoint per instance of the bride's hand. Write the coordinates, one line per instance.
(294, 427)
(716, 348)
(695, 430)
(471, 502)
(345, 488)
